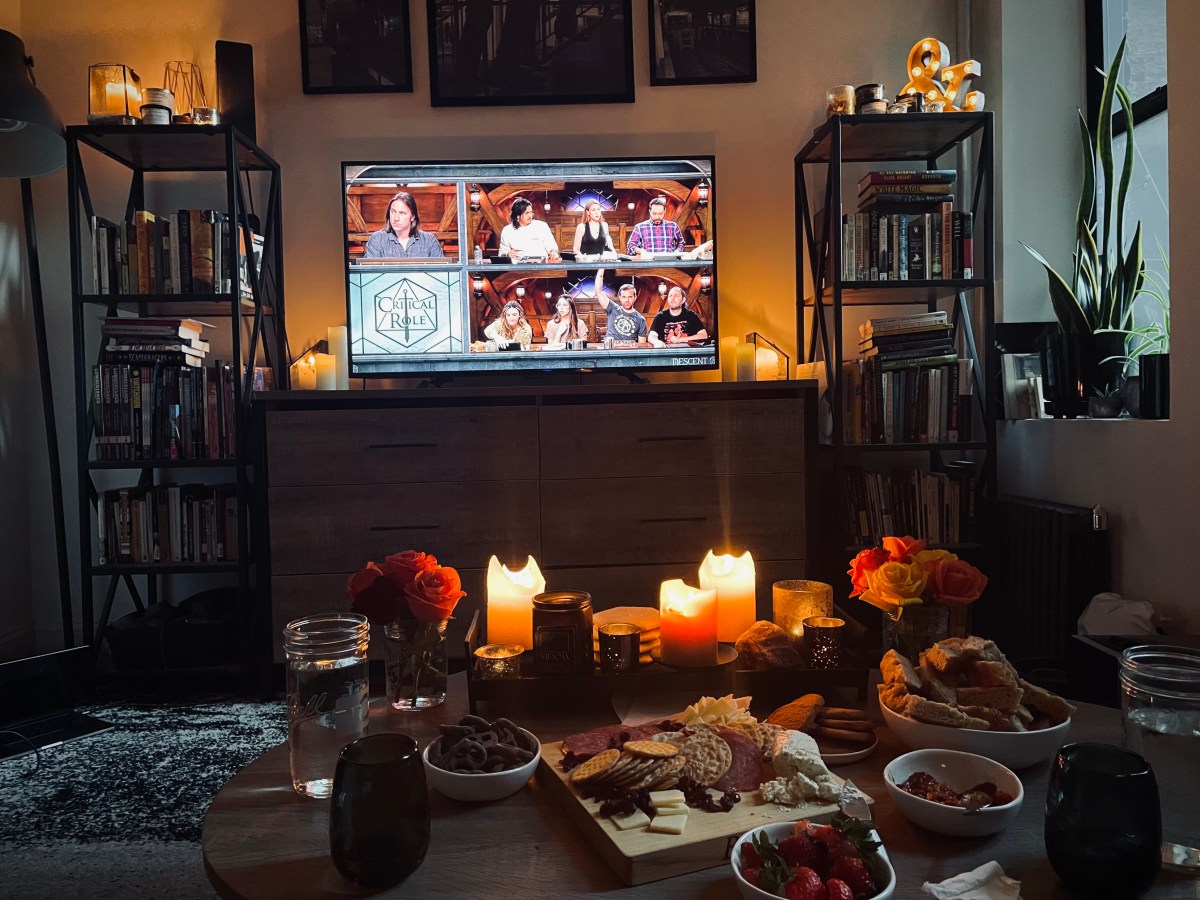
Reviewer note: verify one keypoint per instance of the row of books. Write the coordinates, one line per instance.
(939, 506)
(168, 523)
(917, 401)
(184, 252)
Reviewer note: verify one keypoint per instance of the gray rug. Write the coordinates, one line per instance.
(119, 814)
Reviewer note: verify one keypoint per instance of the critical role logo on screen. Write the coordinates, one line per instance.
(407, 313)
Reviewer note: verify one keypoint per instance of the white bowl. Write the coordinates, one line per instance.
(961, 772)
(777, 831)
(479, 787)
(1015, 749)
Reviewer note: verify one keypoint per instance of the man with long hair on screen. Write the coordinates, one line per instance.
(401, 236)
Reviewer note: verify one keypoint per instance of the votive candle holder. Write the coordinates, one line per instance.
(496, 661)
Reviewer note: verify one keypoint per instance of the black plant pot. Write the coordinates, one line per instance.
(1106, 376)
(1155, 385)
(1067, 364)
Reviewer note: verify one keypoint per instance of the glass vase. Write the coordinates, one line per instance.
(415, 662)
(915, 628)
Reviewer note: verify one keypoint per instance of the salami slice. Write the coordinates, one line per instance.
(745, 770)
(588, 743)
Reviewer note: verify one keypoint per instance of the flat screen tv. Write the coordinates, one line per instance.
(484, 267)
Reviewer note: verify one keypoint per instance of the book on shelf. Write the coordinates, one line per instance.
(919, 191)
(881, 325)
(937, 350)
(921, 336)
(907, 177)
(153, 326)
(188, 523)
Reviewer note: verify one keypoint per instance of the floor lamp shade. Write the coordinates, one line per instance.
(31, 134)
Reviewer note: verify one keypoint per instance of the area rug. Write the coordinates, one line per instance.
(119, 814)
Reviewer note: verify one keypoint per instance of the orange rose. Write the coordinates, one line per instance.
(897, 583)
(956, 583)
(434, 593)
(867, 561)
(902, 549)
(932, 559)
(401, 568)
(373, 595)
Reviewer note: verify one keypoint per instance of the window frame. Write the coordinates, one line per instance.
(1145, 107)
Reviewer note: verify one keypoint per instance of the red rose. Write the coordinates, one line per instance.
(434, 593)
(373, 595)
(903, 549)
(956, 583)
(867, 561)
(401, 568)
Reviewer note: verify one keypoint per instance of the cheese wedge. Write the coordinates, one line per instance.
(636, 819)
(662, 798)
(671, 808)
(668, 824)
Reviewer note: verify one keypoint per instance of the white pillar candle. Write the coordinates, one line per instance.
(745, 362)
(304, 373)
(766, 365)
(326, 372)
(688, 624)
(732, 577)
(510, 602)
(339, 348)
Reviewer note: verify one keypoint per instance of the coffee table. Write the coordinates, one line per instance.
(262, 840)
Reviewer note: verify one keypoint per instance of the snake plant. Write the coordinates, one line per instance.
(1107, 275)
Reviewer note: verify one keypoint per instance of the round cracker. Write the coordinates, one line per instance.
(708, 757)
(593, 768)
(658, 749)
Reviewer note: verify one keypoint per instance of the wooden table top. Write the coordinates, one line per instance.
(262, 840)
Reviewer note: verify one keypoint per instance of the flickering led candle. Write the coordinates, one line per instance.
(304, 373)
(732, 577)
(745, 357)
(688, 624)
(326, 367)
(794, 601)
(493, 661)
(510, 602)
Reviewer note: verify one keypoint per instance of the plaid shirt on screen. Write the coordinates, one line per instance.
(662, 238)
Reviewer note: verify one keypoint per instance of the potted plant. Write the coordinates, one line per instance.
(1095, 307)
(1107, 404)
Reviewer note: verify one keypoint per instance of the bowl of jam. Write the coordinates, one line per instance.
(954, 793)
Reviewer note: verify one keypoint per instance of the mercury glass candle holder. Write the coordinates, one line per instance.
(794, 601)
(494, 661)
(823, 641)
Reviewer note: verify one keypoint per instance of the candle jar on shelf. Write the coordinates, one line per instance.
(795, 600)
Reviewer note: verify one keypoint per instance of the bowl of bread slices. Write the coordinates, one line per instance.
(963, 694)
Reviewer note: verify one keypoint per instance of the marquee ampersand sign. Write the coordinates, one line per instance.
(929, 61)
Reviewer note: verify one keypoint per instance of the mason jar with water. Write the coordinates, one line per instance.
(327, 701)
(1160, 706)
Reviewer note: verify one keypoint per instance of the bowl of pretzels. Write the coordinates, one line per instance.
(479, 761)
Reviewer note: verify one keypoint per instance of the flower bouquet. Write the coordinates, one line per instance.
(916, 589)
(413, 598)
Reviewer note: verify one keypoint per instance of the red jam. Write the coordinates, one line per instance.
(925, 786)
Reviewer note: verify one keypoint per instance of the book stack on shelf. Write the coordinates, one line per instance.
(907, 229)
(939, 506)
(184, 252)
(153, 396)
(908, 385)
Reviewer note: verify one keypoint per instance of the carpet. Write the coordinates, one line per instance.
(119, 814)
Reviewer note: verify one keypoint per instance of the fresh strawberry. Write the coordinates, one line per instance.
(854, 873)
(751, 874)
(750, 857)
(801, 850)
(805, 885)
(838, 889)
(829, 836)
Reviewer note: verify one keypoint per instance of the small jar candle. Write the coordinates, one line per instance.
(839, 100)
(205, 115)
(494, 661)
(562, 632)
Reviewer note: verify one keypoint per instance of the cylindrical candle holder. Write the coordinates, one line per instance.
(794, 601)
(823, 641)
(620, 647)
(205, 115)
(839, 100)
(495, 661)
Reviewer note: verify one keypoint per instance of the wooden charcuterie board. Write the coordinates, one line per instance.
(639, 856)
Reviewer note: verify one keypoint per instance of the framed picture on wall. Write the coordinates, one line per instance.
(355, 46)
(522, 52)
(702, 41)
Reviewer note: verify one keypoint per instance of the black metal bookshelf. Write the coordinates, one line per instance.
(243, 182)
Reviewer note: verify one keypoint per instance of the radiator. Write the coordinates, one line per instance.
(1049, 562)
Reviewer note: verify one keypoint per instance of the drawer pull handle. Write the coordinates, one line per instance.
(404, 527)
(674, 519)
(671, 437)
(408, 446)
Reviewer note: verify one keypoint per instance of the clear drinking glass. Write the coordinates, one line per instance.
(1160, 720)
(326, 694)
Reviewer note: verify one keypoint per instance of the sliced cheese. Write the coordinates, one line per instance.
(671, 808)
(668, 824)
(636, 819)
(662, 798)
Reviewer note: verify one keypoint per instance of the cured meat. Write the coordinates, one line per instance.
(588, 743)
(744, 773)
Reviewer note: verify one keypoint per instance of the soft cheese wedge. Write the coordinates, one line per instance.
(665, 798)
(636, 819)
(669, 824)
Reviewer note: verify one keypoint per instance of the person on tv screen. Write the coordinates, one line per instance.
(566, 324)
(402, 237)
(658, 234)
(525, 238)
(591, 235)
(676, 324)
(511, 328)
(625, 323)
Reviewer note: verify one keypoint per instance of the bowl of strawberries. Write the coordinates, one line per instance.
(840, 860)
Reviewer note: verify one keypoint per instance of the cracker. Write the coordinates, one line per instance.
(708, 757)
(657, 749)
(595, 767)
(635, 771)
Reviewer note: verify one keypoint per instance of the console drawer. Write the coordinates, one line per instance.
(399, 445)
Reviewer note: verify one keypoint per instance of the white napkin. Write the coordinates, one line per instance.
(988, 882)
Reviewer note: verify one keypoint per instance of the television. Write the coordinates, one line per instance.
(474, 267)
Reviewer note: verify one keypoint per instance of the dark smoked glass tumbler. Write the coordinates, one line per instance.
(1103, 825)
(379, 810)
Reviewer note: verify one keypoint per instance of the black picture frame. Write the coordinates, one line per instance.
(355, 47)
(702, 42)
(530, 52)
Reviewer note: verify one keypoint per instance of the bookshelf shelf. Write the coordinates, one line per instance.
(907, 293)
(923, 447)
(150, 397)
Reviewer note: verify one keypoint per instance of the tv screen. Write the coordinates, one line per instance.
(476, 267)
